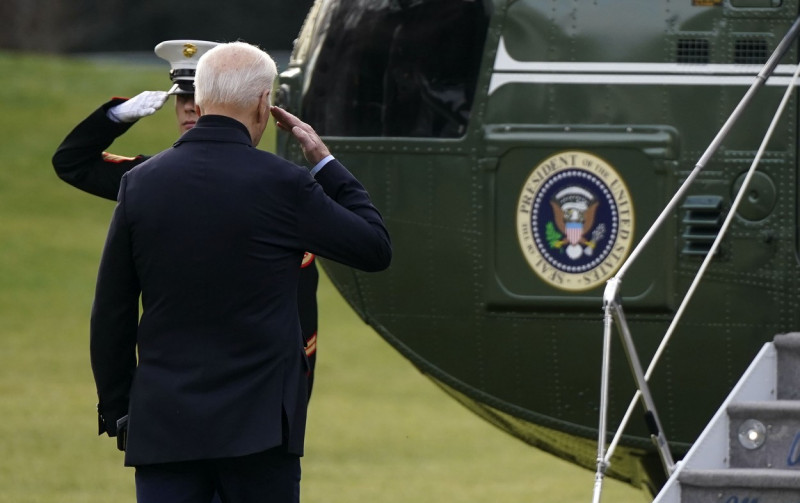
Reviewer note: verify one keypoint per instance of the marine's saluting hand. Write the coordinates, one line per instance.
(314, 149)
(143, 104)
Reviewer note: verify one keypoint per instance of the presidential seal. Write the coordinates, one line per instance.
(574, 221)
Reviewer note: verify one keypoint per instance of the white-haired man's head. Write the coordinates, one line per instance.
(235, 80)
(233, 74)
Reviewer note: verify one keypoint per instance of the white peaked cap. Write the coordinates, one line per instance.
(182, 56)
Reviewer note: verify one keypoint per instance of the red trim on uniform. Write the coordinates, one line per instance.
(311, 344)
(308, 258)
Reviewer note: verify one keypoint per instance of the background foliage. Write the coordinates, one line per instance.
(378, 430)
(120, 25)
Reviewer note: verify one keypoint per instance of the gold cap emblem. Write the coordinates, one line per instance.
(189, 50)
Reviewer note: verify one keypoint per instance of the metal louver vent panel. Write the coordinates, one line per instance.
(693, 50)
(750, 52)
(703, 219)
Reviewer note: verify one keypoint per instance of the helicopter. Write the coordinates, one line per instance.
(519, 150)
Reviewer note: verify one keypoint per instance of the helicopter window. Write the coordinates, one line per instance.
(395, 67)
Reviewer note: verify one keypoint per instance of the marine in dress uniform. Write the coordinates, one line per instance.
(82, 161)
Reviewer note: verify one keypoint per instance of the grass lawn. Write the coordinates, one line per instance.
(378, 430)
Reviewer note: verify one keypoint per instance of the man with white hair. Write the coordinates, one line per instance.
(82, 160)
(211, 233)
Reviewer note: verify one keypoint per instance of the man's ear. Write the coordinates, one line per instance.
(263, 107)
(197, 110)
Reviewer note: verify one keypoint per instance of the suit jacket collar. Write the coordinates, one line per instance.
(217, 128)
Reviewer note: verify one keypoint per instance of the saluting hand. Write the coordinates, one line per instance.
(314, 149)
(143, 104)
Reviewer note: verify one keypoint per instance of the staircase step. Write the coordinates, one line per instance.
(779, 423)
(788, 348)
(740, 486)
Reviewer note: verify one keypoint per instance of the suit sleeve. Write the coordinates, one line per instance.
(342, 224)
(114, 321)
(81, 160)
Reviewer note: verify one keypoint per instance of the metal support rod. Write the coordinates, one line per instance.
(611, 296)
(609, 300)
(761, 78)
(715, 245)
(613, 312)
(726, 224)
(657, 432)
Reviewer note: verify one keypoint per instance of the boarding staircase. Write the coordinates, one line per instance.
(750, 451)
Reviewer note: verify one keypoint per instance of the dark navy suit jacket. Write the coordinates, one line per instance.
(212, 232)
(81, 161)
